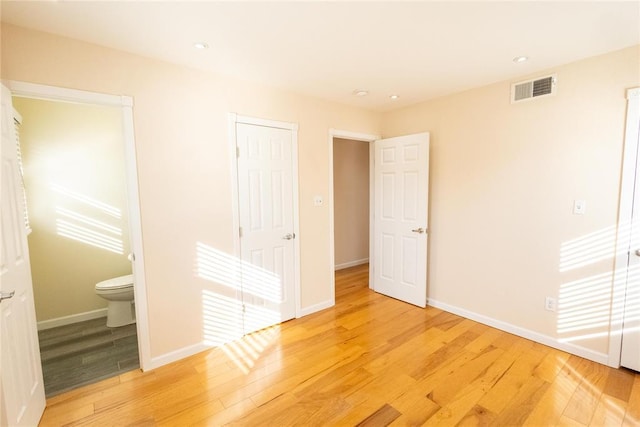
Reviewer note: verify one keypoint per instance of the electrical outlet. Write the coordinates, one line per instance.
(550, 304)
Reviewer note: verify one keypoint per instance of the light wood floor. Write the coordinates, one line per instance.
(370, 360)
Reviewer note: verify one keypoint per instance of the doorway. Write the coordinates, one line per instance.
(351, 176)
(98, 213)
(398, 214)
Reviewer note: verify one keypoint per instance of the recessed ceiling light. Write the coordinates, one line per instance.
(519, 59)
(360, 92)
(394, 97)
(200, 45)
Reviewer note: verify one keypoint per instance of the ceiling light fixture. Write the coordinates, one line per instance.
(200, 45)
(394, 97)
(360, 92)
(519, 59)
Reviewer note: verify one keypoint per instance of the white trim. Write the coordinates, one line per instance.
(521, 332)
(233, 120)
(356, 136)
(265, 122)
(37, 91)
(351, 264)
(174, 356)
(316, 307)
(625, 211)
(71, 319)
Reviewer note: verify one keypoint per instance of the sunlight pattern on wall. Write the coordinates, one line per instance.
(590, 248)
(85, 229)
(584, 307)
(103, 207)
(237, 306)
(222, 268)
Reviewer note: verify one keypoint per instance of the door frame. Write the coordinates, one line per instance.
(233, 120)
(355, 136)
(625, 213)
(125, 103)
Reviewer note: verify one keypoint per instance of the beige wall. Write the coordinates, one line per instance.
(503, 181)
(68, 150)
(180, 119)
(351, 200)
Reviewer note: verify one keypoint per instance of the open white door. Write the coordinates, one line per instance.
(267, 229)
(401, 192)
(630, 354)
(22, 398)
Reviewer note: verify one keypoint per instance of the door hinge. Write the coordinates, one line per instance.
(239, 231)
(237, 151)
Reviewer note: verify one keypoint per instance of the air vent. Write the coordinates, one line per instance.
(530, 89)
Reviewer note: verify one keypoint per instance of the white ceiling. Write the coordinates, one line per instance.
(418, 50)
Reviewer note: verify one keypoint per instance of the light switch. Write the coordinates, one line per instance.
(318, 201)
(579, 207)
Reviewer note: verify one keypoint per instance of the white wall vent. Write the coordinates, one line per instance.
(535, 88)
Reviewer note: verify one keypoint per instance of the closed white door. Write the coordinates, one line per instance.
(267, 236)
(401, 189)
(22, 399)
(630, 355)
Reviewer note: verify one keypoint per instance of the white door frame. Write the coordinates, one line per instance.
(625, 211)
(52, 93)
(234, 119)
(355, 136)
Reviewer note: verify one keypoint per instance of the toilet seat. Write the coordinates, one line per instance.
(121, 282)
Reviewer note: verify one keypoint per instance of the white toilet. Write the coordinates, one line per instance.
(119, 292)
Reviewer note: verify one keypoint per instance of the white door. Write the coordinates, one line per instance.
(22, 399)
(401, 194)
(266, 208)
(630, 355)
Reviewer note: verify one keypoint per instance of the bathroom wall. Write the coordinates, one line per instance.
(351, 202)
(75, 183)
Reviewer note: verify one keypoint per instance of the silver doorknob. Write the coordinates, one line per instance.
(637, 252)
(418, 230)
(289, 236)
(6, 295)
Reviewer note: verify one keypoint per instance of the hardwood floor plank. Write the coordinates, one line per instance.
(632, 416)
(368, 360)
(478, 416)
(585, 399)
(382, 417)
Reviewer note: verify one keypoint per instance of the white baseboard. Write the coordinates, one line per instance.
(351, 263)
(602, 358)
(74, 318)
(316, 307)
(176, 355)
(182, 353)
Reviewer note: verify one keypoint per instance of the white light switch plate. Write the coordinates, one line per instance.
(579, 207)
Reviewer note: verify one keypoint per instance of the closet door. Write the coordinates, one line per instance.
(267, 234)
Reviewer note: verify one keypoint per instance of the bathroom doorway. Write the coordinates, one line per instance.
(75, 183)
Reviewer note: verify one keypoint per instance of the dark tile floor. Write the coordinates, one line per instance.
(84, 353)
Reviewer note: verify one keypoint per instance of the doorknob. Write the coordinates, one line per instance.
(418, 230)
(637, 252)
(289, 236)
(6, 295)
